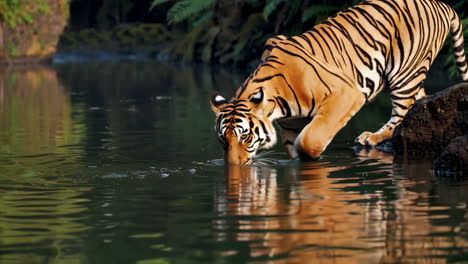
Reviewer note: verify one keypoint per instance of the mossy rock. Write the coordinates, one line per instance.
(32, 33)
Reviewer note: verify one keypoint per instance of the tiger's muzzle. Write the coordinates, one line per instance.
(235, 154)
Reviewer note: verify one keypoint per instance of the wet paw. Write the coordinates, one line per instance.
(362, 139)
(370, 139)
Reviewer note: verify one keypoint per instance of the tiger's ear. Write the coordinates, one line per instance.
(217, 102)
(270, 44)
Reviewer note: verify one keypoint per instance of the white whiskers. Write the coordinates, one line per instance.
(263, 158)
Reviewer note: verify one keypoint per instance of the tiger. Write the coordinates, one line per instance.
(312, 84)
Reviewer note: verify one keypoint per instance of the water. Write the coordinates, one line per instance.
(117, 162)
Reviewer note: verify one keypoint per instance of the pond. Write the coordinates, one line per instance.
(117, 162)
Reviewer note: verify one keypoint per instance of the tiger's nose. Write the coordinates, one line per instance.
(234, 158)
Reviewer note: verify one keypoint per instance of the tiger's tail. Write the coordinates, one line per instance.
(458, 45)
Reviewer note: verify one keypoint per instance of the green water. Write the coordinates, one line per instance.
(117, 162)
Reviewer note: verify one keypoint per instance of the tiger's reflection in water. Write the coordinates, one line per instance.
(320, 213)
(304, 218)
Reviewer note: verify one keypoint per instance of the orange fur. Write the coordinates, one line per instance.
(328, 73)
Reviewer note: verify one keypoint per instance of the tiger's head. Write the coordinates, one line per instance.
(242, 127)
(244, 124)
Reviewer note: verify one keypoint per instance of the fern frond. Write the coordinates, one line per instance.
(270, 7)
(157, 2)
(203, 18)
(185, 9)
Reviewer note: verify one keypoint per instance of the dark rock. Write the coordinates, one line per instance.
(454, 158)
(433, 122)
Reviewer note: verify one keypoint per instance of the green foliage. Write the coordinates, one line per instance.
(12, 49)
(287, 17)
(14, 13)
(122, 37)
(183, 10)
(44, 7)
(18, 12)
(270, 7)
(235, 38)
(158, 2)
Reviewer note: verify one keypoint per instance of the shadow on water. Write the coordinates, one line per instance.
(117, 162)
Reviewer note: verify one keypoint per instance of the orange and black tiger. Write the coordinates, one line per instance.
(312, 84)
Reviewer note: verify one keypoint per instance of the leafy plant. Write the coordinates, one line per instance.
(270, 7)
(183, 10)
(12, 49)
(14, 13)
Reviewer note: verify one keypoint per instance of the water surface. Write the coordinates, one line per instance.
(117, 162)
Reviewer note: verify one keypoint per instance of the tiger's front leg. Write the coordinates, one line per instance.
(334, 112)
(399, 110)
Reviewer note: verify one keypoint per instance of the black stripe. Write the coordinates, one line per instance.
(360, 30)
(312, 108)
(382, 10)
(275, 61)
(318, 42)
(284, 105)
(396, 97)
(370, 84)
(273, 108)
(459, 48)
(398, 115)
(295, 41)
(268, 65)
(257, 80)
(313, 67)
(461, 64)
(367, 60)
(334, 44)
(399, 105)
(306, 40)
(265, 131)
(286, 81)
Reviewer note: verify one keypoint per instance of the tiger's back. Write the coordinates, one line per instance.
(383, 41)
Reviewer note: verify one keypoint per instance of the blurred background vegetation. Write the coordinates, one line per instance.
(230, 32)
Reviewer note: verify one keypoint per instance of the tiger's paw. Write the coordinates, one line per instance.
(370, 139)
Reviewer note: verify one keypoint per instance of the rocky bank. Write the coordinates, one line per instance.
(437, 126)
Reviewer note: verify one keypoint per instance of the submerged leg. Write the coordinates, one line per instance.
(288, 137)
(290, 129)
